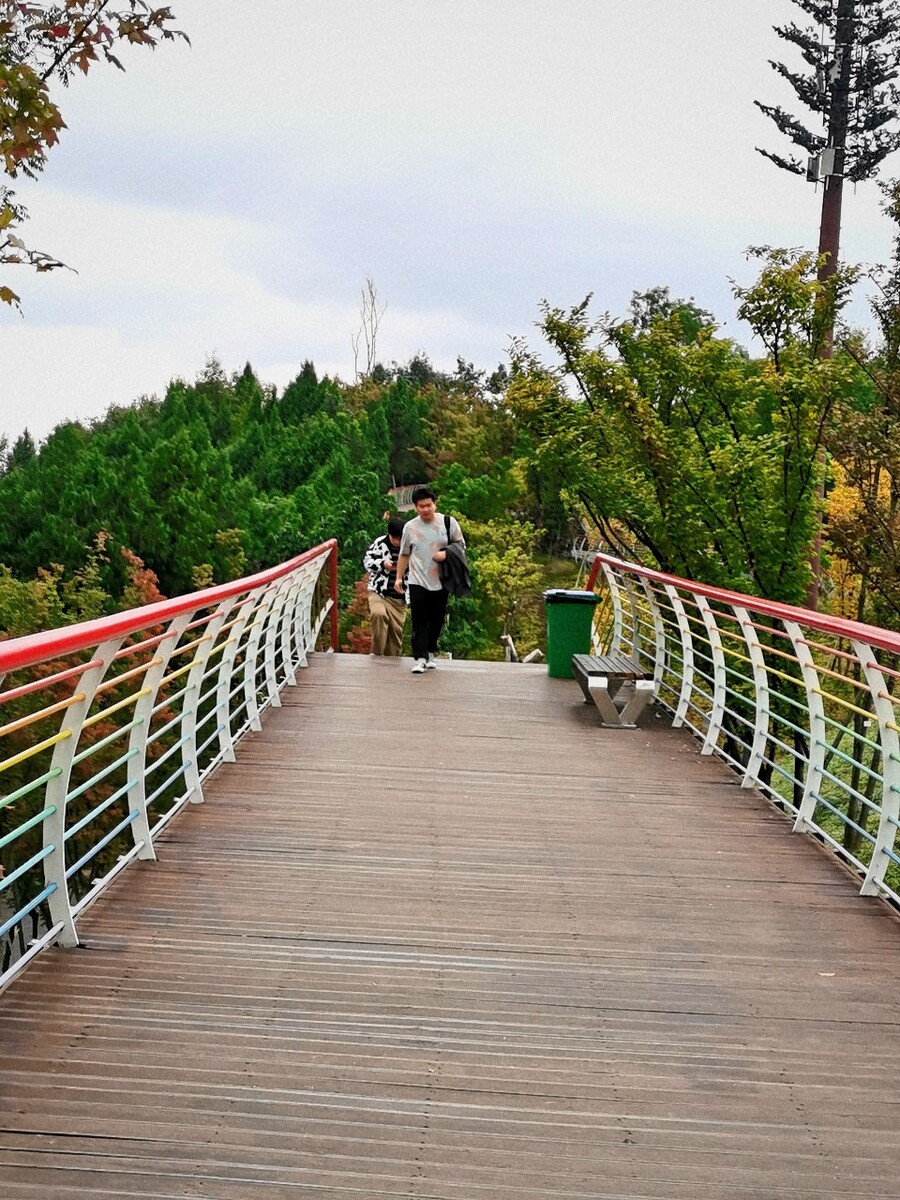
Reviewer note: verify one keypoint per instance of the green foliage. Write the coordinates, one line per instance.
(706, 460)
(43, 42)
(864, 439)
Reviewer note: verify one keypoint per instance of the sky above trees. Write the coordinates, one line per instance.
(230, 198)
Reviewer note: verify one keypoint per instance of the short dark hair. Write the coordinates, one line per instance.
(396, 525)
(423, 492)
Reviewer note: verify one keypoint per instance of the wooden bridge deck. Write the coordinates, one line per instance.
(446, 938)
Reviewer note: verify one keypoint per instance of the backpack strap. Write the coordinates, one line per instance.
(447, 527)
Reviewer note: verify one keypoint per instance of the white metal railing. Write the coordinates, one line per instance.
(110, 727)
(803, 706)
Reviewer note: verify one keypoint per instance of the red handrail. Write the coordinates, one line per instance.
(38, 647)
(885, 639)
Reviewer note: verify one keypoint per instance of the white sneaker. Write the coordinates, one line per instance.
(431, 664)
(419, 667)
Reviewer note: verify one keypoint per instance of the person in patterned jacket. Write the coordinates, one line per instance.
(387, 610)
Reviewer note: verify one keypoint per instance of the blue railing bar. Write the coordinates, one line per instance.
(27, 788)
(25, 867)
(790, 724)
(158, 762)
(34, 948)
(163, 729)
(104, 742)
(852, 762)
(95, 850)
(771, 790)
(97, 885)
(162, 787)
(729, 758)
(858, 737)
(842, 851)
(205, 718)
(843, 818)
(16, 918)
(206, 695)
(789, 700)
(851, 791)
(24, 828)
(738, 717)
(84, 787)
(101, 808)
(779, 769)
(170, 700)
(212, 737)
(173, 811)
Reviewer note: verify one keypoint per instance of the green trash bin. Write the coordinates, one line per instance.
(570, 615)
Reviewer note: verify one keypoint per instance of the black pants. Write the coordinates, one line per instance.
(428, 610)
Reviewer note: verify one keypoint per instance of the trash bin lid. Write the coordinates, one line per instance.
(569, 596)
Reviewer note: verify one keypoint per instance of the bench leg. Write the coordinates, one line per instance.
(643, 693)
(600, 694)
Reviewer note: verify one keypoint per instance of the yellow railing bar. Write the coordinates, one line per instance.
(114, 681)
(175, 674)
(190, 645)
(24, 722)
(843, 703)
(32, 750)
(107, 712)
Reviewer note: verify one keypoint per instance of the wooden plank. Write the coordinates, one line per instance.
(442, 936)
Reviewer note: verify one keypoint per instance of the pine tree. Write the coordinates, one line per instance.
(851, 53)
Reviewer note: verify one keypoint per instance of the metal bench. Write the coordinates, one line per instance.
(601, 676)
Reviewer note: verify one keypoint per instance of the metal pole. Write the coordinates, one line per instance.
(333, 584)
(830, 225)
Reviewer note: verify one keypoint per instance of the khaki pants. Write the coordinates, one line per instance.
(387, 617)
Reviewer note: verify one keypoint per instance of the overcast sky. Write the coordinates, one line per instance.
(473, 157)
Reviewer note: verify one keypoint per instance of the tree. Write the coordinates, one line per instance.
(851, 52)
(371, 311)
(864, 521)
(40, 43)
(705, 460)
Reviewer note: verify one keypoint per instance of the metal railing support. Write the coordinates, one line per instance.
(266, 598)
(138, 739)
(659, 636)
(687, 655)
(720, 678)
(816, 710)
(886, 834)
(56, 795)
(760, 697)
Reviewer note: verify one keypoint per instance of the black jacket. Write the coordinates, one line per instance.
(455, 570)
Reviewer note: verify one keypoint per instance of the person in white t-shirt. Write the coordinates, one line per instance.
(422, 548)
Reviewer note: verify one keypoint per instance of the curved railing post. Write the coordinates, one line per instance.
(333, 588)
(886, 834)
(615, 641)
(816, 709)
(137, 742)
(251, 656)
(659, 637)
(687, 655)
(190, 751)
(720, 681)
(760, 698)
(56, 795)
(288, 628)
(631, 593)
(273, 635)
(226, 676)
(108, 684)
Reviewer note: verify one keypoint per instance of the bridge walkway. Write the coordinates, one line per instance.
(445, 937)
